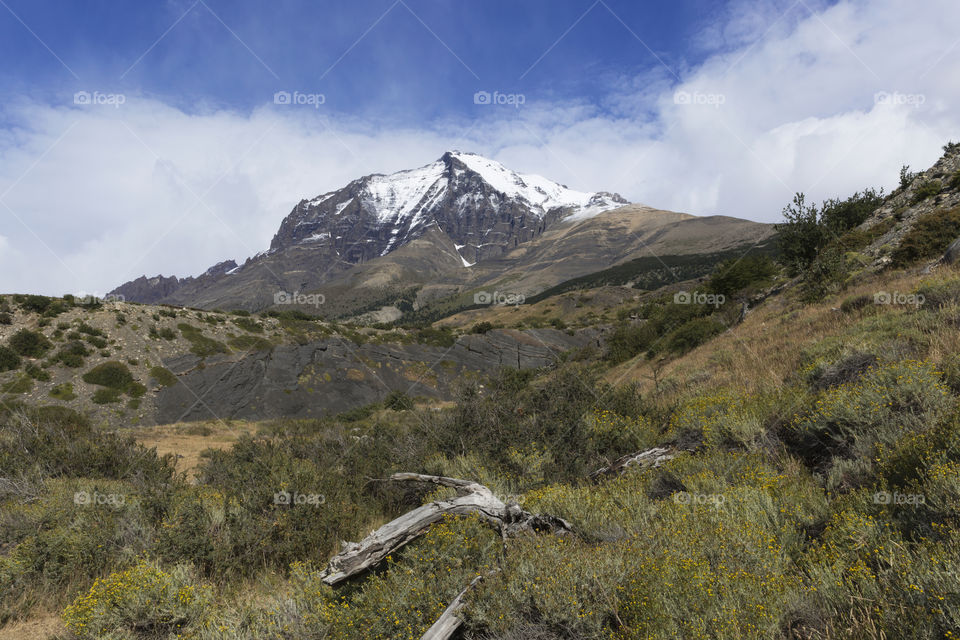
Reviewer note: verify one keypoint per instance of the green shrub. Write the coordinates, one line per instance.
(481, 327)
(72, 354)
(954, 183)
(929, 237)
(124, 604)
(874, 409)
(96, 341)
(113, 375)
(248, 324)
(855, 303)
(927, 189)
(37, 373)
(106, 396)
(200, 344)
(20, 384)
(9, 360)
(735, 275)
(33, 304)
(250, 343)
(164, 377)
(85, 328)
(6, 318)
(441, 337)
(398, 401)
(31, 344)
(692, 334)
(628, 340)
(63, 392)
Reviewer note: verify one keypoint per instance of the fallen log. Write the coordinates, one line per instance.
(644, 459)
(448, 622)
(508, 518)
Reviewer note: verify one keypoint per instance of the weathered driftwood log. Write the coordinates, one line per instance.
(508, 518)
(645, 459)
(448, 622)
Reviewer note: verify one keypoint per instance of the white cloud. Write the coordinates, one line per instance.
(106, 194)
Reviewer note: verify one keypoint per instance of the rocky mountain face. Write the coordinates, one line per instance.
(482, 207)
(152, 290)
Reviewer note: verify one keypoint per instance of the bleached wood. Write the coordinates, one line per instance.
(509, 519)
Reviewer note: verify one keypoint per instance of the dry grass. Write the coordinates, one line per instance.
(45, 627)
(759, 354)
(188, 440)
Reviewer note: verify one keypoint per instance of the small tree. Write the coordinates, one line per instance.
(800, 237)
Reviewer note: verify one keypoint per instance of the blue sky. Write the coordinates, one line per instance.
(181, 158)
(419, 59)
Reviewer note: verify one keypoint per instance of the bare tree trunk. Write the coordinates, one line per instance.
(509, 519)
(644, 459)
(448, 622)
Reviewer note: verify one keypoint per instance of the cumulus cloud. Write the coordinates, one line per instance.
(825, 102)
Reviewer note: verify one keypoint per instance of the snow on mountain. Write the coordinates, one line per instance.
(409, 194)
(482, 205)
(539, 192)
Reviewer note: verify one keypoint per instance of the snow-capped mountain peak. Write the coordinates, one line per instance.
(478, 202)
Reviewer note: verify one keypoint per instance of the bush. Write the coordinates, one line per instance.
(629, 340)
(875, 408)
(72, 354)
(200, 344)
(21, 384)
(481, 327)
(927, 189)
(144, 597)
(113, 375)
(34, 304)
(90, 331)
(692, 334)
(735, 275)
(31, 344)
(63, 392)
(37, 373)
(9, 360)
(929, 237)
(106, 396)
(164, 377)
(248, 324)
(6, 318)
(398, 401)
(806, 230)
(250, 343)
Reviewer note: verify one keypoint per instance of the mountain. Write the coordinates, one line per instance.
(456, 224)
(480, 204)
